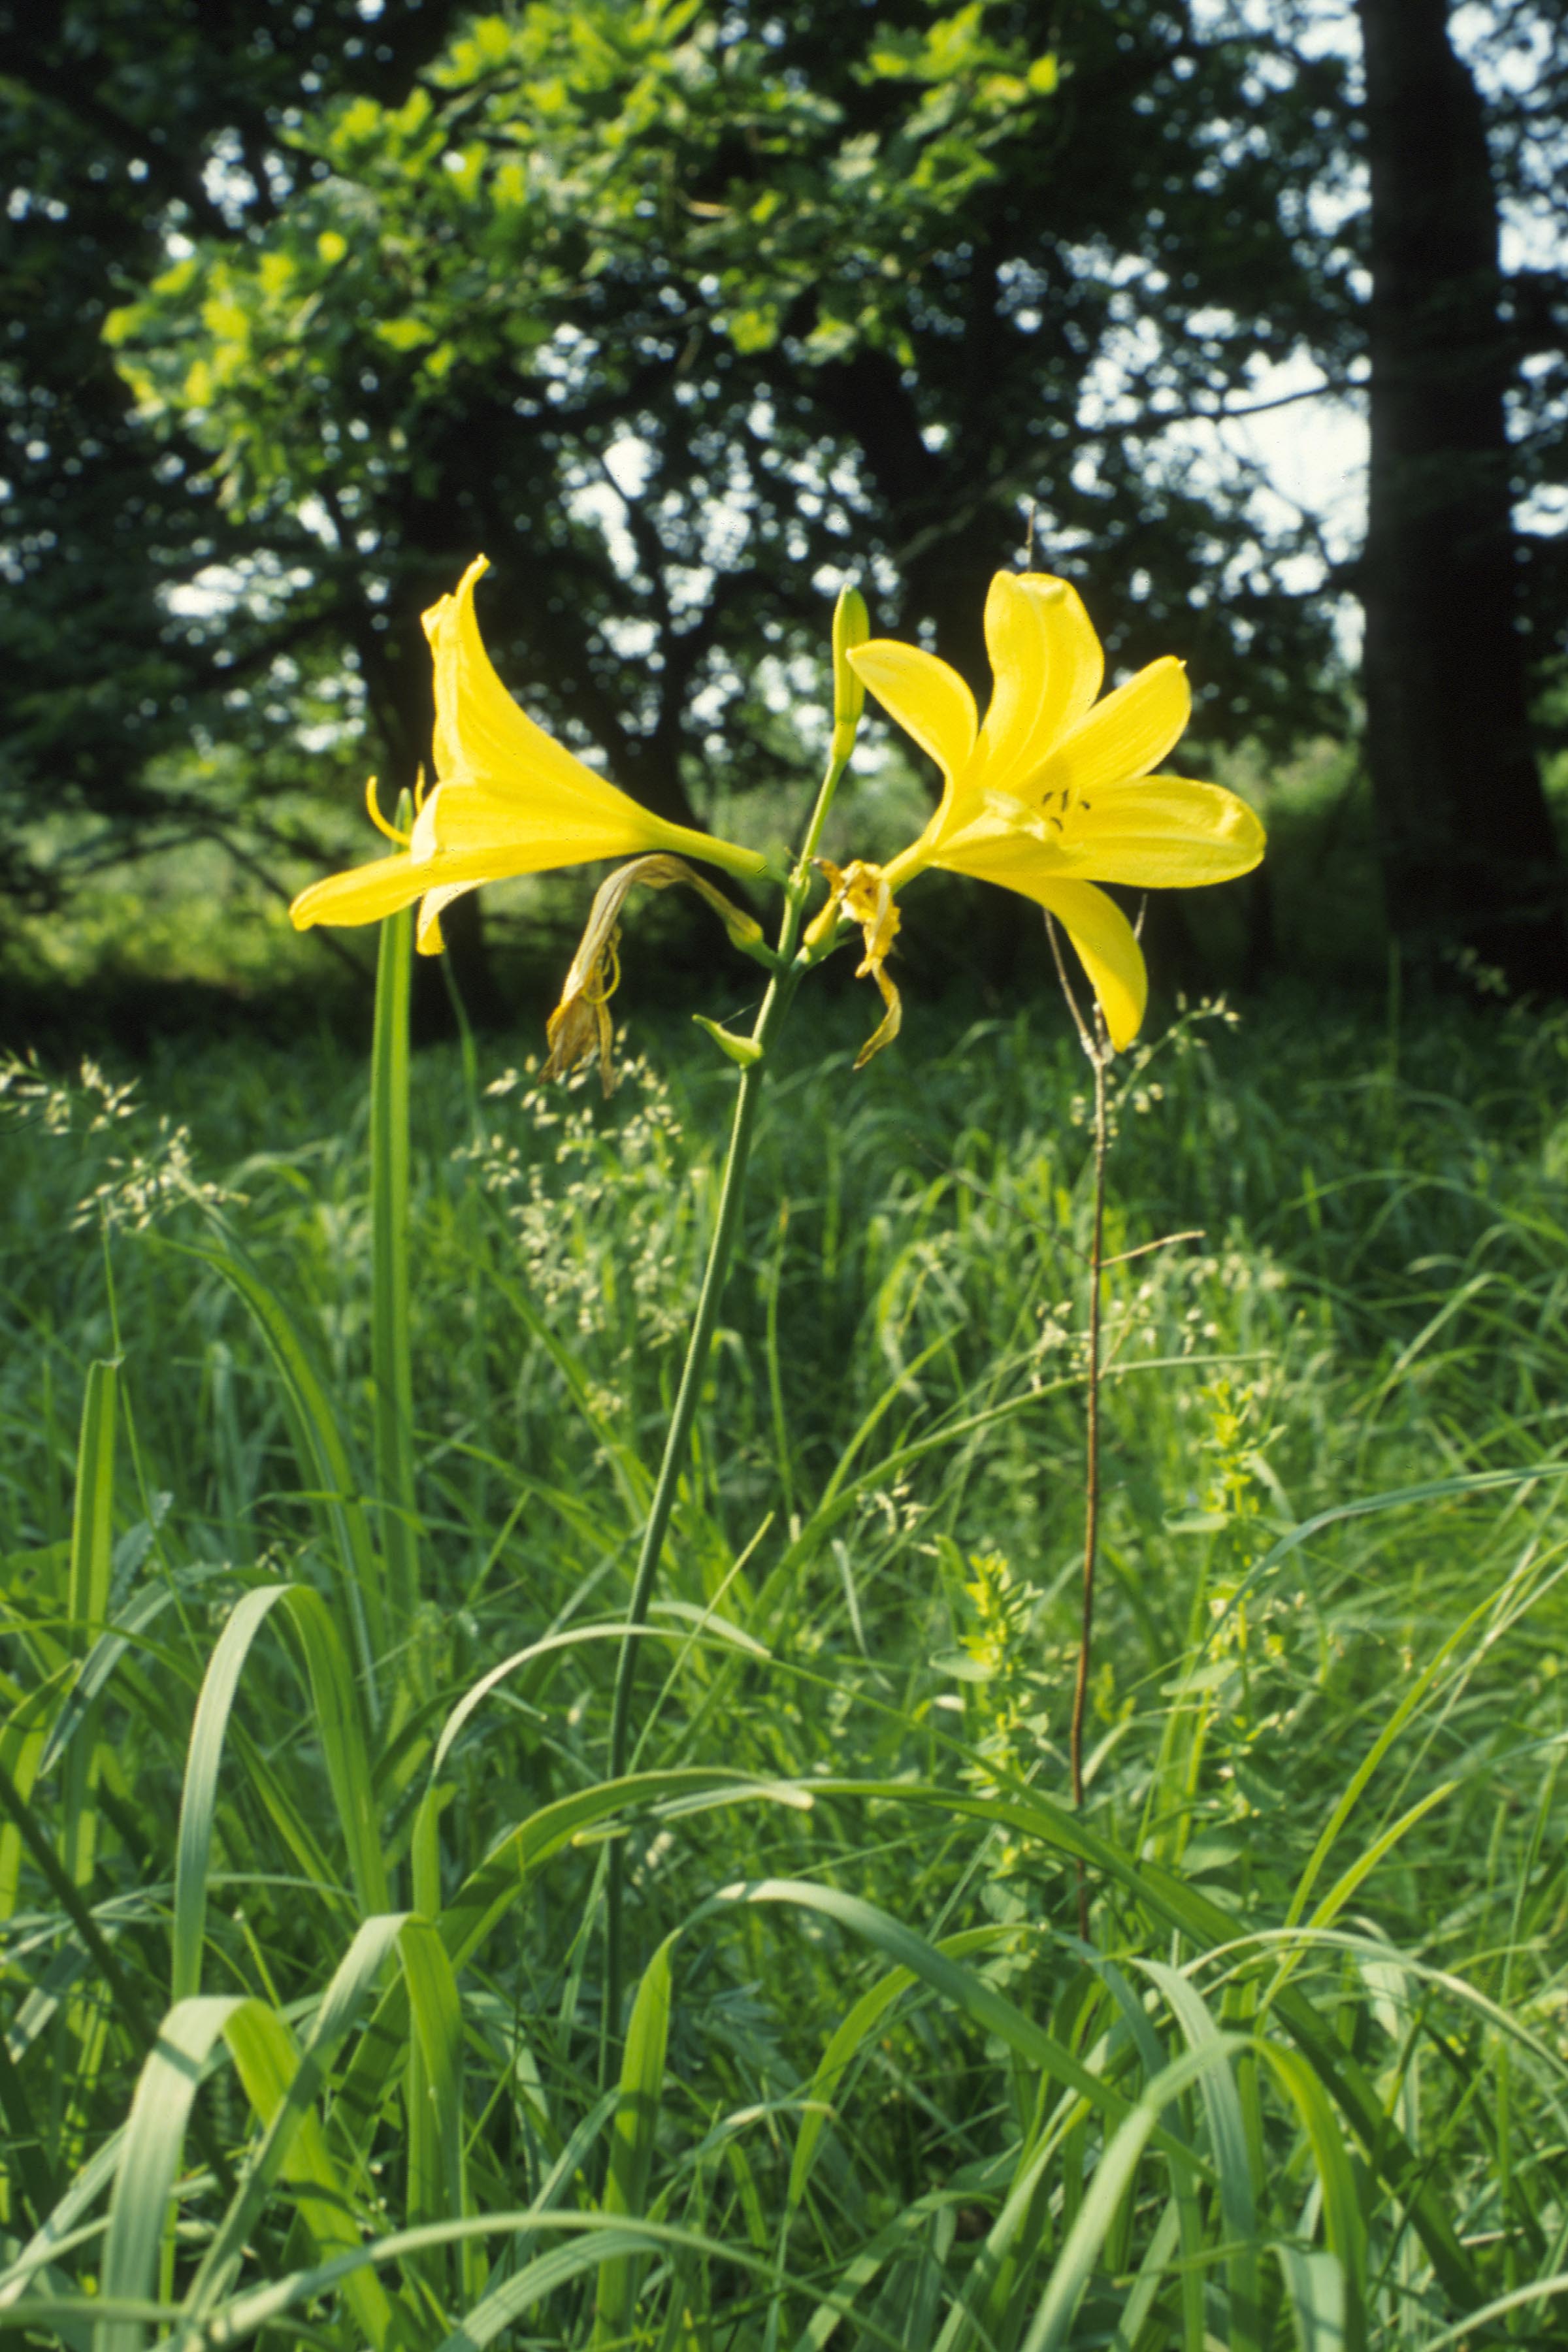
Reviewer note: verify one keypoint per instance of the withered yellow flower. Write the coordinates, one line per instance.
(508, 800)
(580, 1025)
(1053, 794)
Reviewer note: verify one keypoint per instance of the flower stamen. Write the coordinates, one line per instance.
(381, 823)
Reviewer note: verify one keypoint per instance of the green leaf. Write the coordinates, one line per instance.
(198, 1797)
(92, 1520)
(1112, 2179)
(632, 2137)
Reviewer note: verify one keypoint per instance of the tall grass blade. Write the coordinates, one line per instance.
(267, 2062)
(337, 1709)
(946, 1977)
(1052, 2325)
(390, 1359)
(351, 1986)
(437, 2189)
(87, 1606)
(151, 2157)
(198, 1797)
(322, 1455)
(92, 1520)
(1232, 2160)
(1315, 2290)
(631, 2137)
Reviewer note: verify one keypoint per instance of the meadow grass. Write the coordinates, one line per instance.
(305, 1820)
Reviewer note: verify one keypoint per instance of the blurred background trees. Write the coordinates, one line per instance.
(684, 313)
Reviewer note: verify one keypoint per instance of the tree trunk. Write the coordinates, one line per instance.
(1471, 864)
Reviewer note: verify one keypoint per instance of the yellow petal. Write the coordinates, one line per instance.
(1108, 952)
(537, 826)
(427, 930)
(929, 700)
(1163, 833)
(481, 735)
(1048, 664)
(1123, 737)
(1095, 924)
(363, 894)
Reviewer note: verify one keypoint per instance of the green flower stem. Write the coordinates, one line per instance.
(678, 1442)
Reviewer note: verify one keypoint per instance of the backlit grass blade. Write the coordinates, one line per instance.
(92, 1520)
(98, 1667)
(23, 1742)
(265, 2306)
(946, 1977)
(1343, 2222)
(150, 2157)
(631, 2137)
(322, 1455)
(1315, 2290)
(267, 2059)
(850, 2036)
(1052, 2325)
(336, 1702)
(391, 1361)
(336, 1709)
(1228, 2141)
(351, 1986)
(198, 1797)
(1174, 1904)
(434, 2095)
(87, 1606)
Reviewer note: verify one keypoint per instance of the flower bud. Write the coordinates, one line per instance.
(851, 626)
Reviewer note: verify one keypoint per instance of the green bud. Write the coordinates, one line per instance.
(744, 929)
(851, 626)
(744, 1050)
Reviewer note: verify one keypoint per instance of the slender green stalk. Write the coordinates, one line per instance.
(1092, 1463)
(390, 1364)
(1097, 1047)
(677, 1440)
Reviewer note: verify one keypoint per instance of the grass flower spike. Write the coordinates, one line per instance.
(1054, 793)
(508, 800)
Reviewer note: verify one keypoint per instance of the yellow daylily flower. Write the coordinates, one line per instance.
(508, 800)
(1054, 793)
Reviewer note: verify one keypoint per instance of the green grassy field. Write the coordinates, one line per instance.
(1306, 2081)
